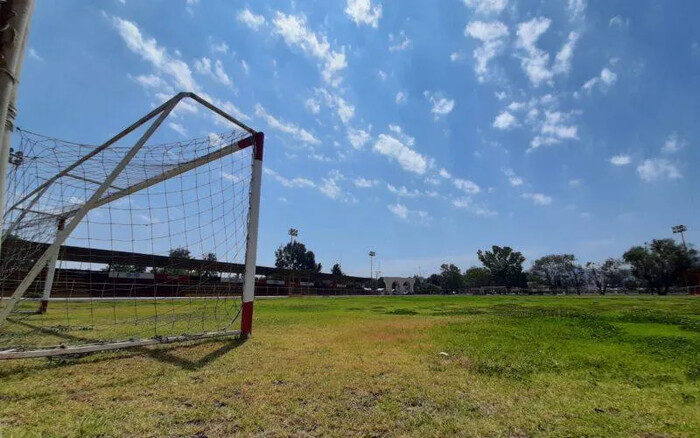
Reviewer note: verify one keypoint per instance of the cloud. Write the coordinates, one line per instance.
(658, 169)
(291, 183)
(329, 186)
(403, 191)
(344, 110)
(364, 183)
(293, 30)
(606, 79)
(534, 61)
(493, 39)
(399, 43)
(401, 98)
(399, 149)
(504, 121)
(577, 9)
(487, 7)
(312, 105)
(537, 198)
(619, 21)
(575, 182)
(178, 128)
(673, 144)
(244, 65)
(467, 186)
(250, 19)
(562, 61)
(620, 160)
(441, 105)
(158, 56)
(554, 124)
(456, 56)
(221, 47)
(445, 174)
(479, 210)
(362, 12)
(204, 66)
(358, 137)
(288, 128)
(34, 55)
(403, 212)
(513, 179)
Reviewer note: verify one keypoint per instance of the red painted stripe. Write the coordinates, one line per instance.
(259, 141)
(247, 319)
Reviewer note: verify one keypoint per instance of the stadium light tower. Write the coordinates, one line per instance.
(371, 269)
(680, 229)
(293, 233)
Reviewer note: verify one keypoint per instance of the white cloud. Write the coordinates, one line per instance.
(244, 65)
(382, 75)
(178, 128)
(673, 144)
(330, 188)
(657, 169)
(288, 128)
(479, 210)
(150, 51)
(540, 141)
(554, 124)
(293, 30)
(291, 183)
(504, 121)
(403, 212)
(362, 12)
(399, 210)
(399, 42)
(34, 55)
(467, 186)
(487, 6)
(445, 174)
(462, 202)
(620, 160)
(204, 66)
(400, 97)
(618, 21)
(537, 198)
(577, 9)
(222, 48)
(456, 56)
(606, 79)
(401, 151)
(534, 61)
(513, 179)
(562, 61)
(345, 110)
(153, 82)
(441, 105)
(312, 105)
(493, 38)
(403, 191)
(250, 19)
(364, 183)
(358, 137)
(575, 182)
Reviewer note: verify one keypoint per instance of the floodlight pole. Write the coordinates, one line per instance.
(252, 243)
(19, 13)
(371, 269)
(680, 229)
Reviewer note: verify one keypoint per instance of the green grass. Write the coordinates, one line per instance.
(515, 366)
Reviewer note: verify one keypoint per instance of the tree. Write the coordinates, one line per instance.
(477, 277)
(295, 256)
(175, 253)
(336, 271)
(603, 275)
(504, 265)
(451, 277)
(132, 269)
(558, 271)
(208, 258)
(660, 264)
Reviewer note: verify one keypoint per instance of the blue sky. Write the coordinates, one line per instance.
(421, 130)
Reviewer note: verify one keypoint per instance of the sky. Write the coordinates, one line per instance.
(421, 130)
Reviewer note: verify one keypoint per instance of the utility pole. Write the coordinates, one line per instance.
(680, 229)
(15, 19)
(371, 269)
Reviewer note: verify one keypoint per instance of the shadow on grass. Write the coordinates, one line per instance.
(162, 353)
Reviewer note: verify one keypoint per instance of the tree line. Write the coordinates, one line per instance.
(655, 266)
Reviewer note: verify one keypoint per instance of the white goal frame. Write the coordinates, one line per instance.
(255, 140)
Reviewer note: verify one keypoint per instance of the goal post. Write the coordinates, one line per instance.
(202, 193)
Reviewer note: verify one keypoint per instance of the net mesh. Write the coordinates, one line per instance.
(152, 258)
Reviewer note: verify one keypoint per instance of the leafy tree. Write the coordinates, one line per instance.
(176, 253)
(435, 280)
(208, 258)
(504, 265)
(451, 277)
(477, 277)
(294, 255)
(558, 271)
(336, 271)
(660, 264)
(603, 275)
(132, 269)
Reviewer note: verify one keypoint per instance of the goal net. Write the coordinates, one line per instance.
(133, 242)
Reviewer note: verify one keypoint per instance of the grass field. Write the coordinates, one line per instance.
(514, 366)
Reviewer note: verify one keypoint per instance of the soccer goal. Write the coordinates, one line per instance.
(133, 242)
